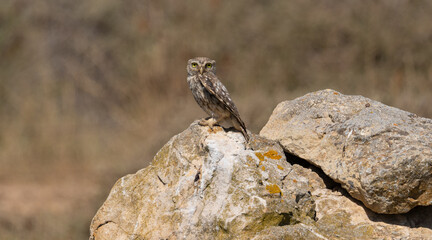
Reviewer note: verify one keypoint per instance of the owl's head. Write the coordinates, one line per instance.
(200, 65)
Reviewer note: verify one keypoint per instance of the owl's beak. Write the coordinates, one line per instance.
(201, 70)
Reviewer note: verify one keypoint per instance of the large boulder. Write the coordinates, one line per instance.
(381, 155)
(206, 185)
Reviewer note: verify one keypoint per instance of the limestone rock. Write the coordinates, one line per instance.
(340, 217)
(381, 155)
(206, 185)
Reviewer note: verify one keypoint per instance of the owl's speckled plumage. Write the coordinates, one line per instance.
(212, 96)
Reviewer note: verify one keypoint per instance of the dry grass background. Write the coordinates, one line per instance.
(91, 89)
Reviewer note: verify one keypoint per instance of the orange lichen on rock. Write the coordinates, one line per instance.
(259, 156)
(263, 168)
(272, 154)
(280, 167)
(273, 188)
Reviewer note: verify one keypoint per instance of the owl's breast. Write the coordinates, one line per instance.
(209, 103)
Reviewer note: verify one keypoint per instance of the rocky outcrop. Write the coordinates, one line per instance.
(381, 155)
(206, 185)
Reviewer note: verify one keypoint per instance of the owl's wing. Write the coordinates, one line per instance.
(217, 89)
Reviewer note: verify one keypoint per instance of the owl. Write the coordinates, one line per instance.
(212, 96)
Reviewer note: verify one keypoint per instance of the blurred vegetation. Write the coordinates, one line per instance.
(98, 86)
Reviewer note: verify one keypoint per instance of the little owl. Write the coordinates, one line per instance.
(212, 96)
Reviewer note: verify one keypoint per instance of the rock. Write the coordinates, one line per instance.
(381, 155)
(342, 218)
(206, 185)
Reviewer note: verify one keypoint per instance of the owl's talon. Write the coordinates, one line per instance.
(203, 122)
(210, 122)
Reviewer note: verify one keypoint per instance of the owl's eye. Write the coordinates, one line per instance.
(194, 65)
(208, 65)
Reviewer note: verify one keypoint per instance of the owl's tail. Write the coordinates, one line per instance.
(240, 126)
(245, 134)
